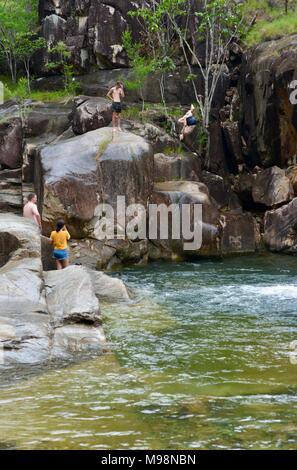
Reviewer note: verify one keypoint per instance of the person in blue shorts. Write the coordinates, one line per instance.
(60, 238)
(116, 94)
(189, 123)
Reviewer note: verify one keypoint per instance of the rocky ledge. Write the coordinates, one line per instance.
(52, 316)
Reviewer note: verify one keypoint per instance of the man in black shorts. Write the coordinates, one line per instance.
(116, 94)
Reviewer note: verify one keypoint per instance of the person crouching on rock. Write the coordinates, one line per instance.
(189, 123)
(59, 239)
(116, 94)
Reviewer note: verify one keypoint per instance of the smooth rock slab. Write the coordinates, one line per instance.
(71, 297)
(77, 174)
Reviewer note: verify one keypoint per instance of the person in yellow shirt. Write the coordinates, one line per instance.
(60, 238)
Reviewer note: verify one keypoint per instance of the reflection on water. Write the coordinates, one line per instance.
(200, 359)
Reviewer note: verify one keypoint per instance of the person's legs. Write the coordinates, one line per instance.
(65, 263)
(114, 120)
(188, 130)
(118, 121)
(59, 265)
(183, 122)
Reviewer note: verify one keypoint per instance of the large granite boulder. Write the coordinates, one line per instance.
(90, 114)
(240, 234)
(220, 190)
(48, 119)
(269, 118)
(71, 297)
(280, 228)
(11, 143)
(109, 289)
(272, 187)
(77, 174)
(24, 329)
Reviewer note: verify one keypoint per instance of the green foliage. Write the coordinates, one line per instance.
(18, 19)
(142, 65)
(20, 89)
(62, 57)
(102, 147)
(28, 44)
(21, 97)
(223, 17)
(271, 22)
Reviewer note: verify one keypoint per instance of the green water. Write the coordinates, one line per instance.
(200, 359)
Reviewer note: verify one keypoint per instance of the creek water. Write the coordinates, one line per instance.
(199, 359)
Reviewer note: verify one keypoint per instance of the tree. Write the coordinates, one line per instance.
(215, 26)
(17, 17)
(157, 43)
(62, 62)
(141, 65)
(27, 44)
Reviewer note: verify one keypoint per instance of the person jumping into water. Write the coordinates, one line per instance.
(189, 123)
(116, 94)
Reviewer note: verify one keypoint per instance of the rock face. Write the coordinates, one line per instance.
(91, 29)
(23, 322)
(77, 174)
(90, 114)
(186, 192)
(280, 229)
(240, 234)
(226, 230)
(272, 187)
(172, 167)
(269, 119)
(220, 190)
(11, 143)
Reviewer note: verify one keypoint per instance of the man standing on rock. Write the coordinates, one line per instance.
(31, 211)
(116, 94)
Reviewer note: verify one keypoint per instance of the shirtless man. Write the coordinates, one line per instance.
(31, 211)
(116, 94)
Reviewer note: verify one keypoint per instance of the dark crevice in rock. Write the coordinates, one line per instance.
(8, 245)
